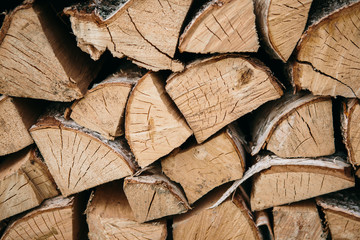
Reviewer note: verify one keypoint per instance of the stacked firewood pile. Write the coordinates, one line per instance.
(168, 119)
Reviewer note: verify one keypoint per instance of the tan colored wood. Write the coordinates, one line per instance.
(263, 222)
(153, 125)
(24, 182)
(77, 158)
(39, 59)
(212, 93)
(297, 221)
(109, 216)
(145, 31)
(202, 167)
(281, 24)
(221, 27)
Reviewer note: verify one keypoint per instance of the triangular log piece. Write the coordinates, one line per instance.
(281, 24)
(109, 216)
(298, 221)
(342, 213)
(298, 179)
(202, 167)
(152, 195)
(145, 31)
(24, 182)
(212, 93)
(153, 125)
(221, 27)
(298, 125)
(16, 117)
(39, 59)
(327, 57)
(78, 158)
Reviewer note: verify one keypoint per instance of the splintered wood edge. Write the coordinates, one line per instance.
(237, 139)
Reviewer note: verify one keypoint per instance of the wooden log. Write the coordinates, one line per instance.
(77, 158)
(153, 125)
(281, 24)
(298, 125)
(221, 27)
(16, 117)
(212, 93)
(145, 31)
(342, 213)
(24, 182)
(202, 167)
(109, 216)
(327, 54)
(38, 57)
(262, 221)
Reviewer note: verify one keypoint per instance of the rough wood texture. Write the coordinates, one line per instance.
(221, 27)
(202, 167)
(328, 53)
(77, 158)
(212, 93)
(24, 182)
(145, 31)
(153, 125)
(38, 57)
(109, 216)
(297, 221)
(281, 24)
(298, 125)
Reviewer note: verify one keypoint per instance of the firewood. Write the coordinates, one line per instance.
(298, 125)
(78, 158)
(153, 125)
(38, 57)
(152, 195)
(145, 31)
(342, 213)
(281, 24)
(327, 57)
(24, 182)
(16, 117)
(221, 27)
(298, 221)
(214, 92)
(109, 216)
(202, 167)
(262, 221)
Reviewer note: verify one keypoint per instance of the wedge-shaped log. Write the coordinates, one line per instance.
(221, 27)
(153, 125)
(298, 125)
(109, 216)
(24, 182)
(281, 24)
(212, 93)
(145, 31)
(78, 158)
(202, 167)
(39, 59)
(327, 58)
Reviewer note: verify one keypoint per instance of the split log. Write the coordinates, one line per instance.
(77, 158)
(38, 57)
(298, 221)
(342, 213)
(152, 196)
(327, 57)
(298, 125)
(262, 221)
(145, 31)
(221, 27)
(281, 24)
(153, 125)
(16, 117)
(24, 182)
(109, 216)
(212, 93)
(202, 167)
